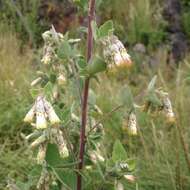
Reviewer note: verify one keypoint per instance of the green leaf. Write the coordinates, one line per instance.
(34, 93)
(153, 98)
(106, 29)
(119, 153)
(52, 155)
(81, 63)
(96, 65)
(67, 177)
(151, 85)
(48, 89)
(131, 164)
(127, 97)
(64, 51)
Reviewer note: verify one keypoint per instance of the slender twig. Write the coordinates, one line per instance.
(105, 117)
(91, 13)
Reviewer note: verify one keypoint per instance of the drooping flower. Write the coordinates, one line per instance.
(42, 111)
(41, 153)
(60, 142)
(130, 124)
(48, 55)
(41, 122)
(45, 180)
(30, 115)
(53, 118)
(167, 107)
(170, 116)
(115, 53)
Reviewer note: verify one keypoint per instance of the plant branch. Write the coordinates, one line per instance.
(91, 13)
(105, 117)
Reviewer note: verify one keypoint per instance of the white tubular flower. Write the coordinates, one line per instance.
(41, 153)
(130, 178)
(60, 142)
(115, 53)
(53, 118)
(30, 115)
(132, 124)
(36, 81)
(48, 55)
(41, 122)
(168, 110)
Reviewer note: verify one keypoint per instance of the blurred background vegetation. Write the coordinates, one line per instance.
(157, 34)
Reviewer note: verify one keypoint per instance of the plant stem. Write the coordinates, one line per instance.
(91, 13)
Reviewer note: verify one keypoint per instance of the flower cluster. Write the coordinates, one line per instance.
(51, 39)
(42, 110)
(115, 54)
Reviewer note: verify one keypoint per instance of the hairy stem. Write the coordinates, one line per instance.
(91, 13)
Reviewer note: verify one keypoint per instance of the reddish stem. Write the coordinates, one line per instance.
(91, 13)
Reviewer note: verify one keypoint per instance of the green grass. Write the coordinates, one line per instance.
(15, 74)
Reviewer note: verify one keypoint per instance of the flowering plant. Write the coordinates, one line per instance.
(69, 150)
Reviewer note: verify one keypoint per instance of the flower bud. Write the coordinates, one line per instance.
(41, 153)
(48, 55)
(30, 115)
(36, 81)
(35, 134)
(130, 125)
(63, 151)
(59, 140)
(96, 156)
(130, 178)
(38, 141)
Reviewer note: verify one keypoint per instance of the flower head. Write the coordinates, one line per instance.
(42, 111)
